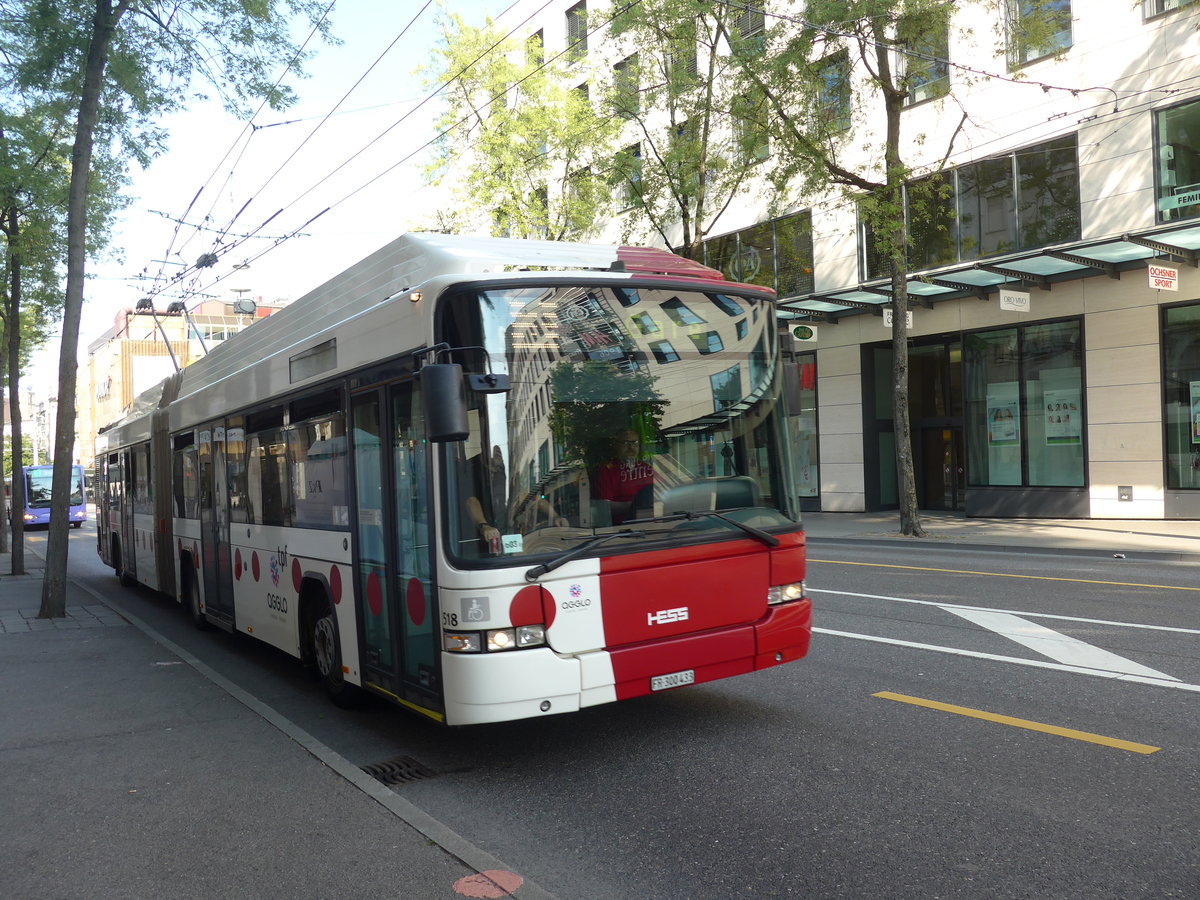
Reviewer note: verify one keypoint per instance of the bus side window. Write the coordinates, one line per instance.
(269, 500)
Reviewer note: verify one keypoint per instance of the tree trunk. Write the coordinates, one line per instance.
(3, 470)
(54, 585)
(906, 483)
(12, 340)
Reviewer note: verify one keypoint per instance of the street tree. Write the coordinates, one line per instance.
(34, 183)
(513, 124)
(832, 89)
(120, 65)
(694, 140)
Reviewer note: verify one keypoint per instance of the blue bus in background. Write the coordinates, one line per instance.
(38, 483)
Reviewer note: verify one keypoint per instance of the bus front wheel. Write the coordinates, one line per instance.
(327, 654)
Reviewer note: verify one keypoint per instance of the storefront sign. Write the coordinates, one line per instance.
(806, 333)
(1164, 278)
(887, 317)
(1014, 301)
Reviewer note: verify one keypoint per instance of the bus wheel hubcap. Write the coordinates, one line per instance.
(323, 644)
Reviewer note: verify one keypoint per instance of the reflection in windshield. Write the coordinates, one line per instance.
(626, 404)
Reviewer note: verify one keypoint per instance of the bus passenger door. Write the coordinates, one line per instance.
(393, 566)
(216, 574)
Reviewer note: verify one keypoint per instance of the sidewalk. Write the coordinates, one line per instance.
(1174, 539)
(129, 769)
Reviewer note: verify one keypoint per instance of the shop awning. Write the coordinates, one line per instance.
(1042, 269)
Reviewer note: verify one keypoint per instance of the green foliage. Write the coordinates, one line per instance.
(516, 128)
(593, 401)
(700, 138)
(26, 456)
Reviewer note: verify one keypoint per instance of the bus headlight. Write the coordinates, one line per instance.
(461, 641)
(785, 593)
(494, 640)
(501, 639)
(531, 635)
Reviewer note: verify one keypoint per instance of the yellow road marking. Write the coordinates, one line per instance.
(1022, 723)
(1161, 587)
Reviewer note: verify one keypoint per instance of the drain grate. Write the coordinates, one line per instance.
(401, 770)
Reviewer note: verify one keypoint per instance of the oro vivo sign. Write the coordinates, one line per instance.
(1164, 278)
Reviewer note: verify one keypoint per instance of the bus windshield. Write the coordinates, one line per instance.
(39, 482)
(640, 409)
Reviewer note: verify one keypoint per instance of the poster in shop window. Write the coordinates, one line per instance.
(1063, 416)
(1195, 407)
(1003, 415)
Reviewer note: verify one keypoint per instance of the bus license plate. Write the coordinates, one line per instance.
(675, 679)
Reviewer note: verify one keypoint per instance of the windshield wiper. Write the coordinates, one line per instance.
(538, 571)
(757, 533)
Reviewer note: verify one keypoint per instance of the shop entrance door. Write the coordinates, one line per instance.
(941, 475)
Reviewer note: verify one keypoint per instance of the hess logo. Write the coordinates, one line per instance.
(663, 616)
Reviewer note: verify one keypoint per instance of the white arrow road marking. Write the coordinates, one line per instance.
(1055, 645)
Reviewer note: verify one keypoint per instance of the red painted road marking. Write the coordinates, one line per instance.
(492, 883)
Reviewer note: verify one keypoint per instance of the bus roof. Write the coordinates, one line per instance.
(407, 262)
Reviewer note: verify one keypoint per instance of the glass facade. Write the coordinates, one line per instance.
(1181, 395)
(1024, 406)
(777, 254)
(1019, 201)
(1177, 136)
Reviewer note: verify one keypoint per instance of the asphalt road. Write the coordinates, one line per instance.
(968, 724)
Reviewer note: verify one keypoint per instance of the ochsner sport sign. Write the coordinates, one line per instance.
(1164, 278)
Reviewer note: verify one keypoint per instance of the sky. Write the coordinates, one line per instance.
(349, 153)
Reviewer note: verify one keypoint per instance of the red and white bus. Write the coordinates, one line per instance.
(487, 479)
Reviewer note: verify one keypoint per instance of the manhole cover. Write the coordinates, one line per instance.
(400, 770)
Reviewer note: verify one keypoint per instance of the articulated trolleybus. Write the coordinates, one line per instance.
(488, 479)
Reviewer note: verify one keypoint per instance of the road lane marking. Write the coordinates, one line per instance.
(1161, 587)
(1119, 744)
(1018, 612)
(1054, 644)
(1032, 663)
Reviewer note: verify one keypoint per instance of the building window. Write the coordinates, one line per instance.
(747, 21)
(750, 132)
(1151, 8)
(627, 169)
(663, 351)
(1037, 29)
(1020, 201)
(728, 305)
(679, 313)
(924, 61)
(681, 55)
(777, 254)
(535, 49)
(1024, 406)
(643, 323)
(726, 388)
(577, 32)
(627, 95)
(707, 342)
(833, 93)
(1181, 390)
(1177, 134)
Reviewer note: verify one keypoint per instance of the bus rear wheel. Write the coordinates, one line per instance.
(119, 565)
(191, 598)
(327, 654)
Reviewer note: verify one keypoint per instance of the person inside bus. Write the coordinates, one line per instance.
(488, 483)
(620, 479)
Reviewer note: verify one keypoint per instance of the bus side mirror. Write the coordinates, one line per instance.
(445, 402)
